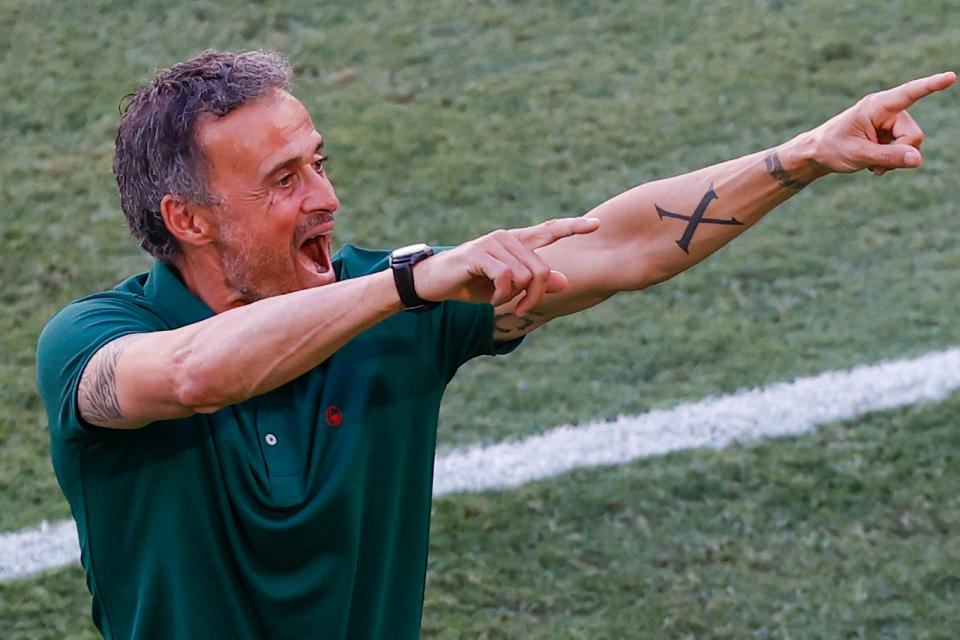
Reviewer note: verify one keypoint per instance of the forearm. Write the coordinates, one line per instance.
(239, 353)
(277, 339)
(656, 230)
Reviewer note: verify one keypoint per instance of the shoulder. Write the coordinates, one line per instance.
(76, 332)
(98, 313)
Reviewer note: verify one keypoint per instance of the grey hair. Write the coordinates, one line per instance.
(157, 151)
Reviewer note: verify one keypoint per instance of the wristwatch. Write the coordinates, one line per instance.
(401, 262)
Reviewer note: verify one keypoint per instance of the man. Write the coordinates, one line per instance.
(246, 433)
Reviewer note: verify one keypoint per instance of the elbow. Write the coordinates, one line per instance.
(642, 272)
(654, 276)
(196, 388)
(196, 396)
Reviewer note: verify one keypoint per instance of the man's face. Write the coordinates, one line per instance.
(275, 217)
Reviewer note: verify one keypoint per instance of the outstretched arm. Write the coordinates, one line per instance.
(656, 230)
(531, 275)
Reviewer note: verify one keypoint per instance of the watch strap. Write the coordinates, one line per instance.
(401, 263)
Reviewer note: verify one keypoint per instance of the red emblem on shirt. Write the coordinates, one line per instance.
(334, 416)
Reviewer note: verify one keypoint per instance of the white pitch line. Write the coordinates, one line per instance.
(786, 408)
(30, 551)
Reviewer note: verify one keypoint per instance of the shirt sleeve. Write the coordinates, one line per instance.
(68, 342)
(467, 331)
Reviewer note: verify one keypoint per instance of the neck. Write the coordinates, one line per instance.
(201, 272)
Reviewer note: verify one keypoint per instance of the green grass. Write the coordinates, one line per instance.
(447, 119)
(852, 532)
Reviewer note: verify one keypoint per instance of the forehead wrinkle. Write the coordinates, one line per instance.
(241, 141)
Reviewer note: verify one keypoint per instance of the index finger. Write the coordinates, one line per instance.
(902, 97)
(540, 235)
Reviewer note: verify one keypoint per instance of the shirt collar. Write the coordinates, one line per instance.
(172, 298)
(179, 306)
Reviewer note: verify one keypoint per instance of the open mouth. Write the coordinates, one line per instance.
(314, 253)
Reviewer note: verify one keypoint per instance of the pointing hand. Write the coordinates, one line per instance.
(877, 133)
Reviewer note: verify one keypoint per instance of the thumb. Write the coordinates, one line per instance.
(893, 156)
(557, 282)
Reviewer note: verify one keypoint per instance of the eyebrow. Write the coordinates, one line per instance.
(290, 162)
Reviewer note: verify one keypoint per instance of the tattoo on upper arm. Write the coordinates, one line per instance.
(696, 218)
(97, 396)
(781, 175)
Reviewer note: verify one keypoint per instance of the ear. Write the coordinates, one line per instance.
(189, 224)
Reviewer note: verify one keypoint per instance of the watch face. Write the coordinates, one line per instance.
(410, 249)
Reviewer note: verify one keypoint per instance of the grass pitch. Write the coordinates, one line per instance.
(447, 119)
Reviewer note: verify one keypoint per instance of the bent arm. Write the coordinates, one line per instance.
(141, 378)
(656, 230)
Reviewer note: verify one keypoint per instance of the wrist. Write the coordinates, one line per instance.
(800, 158)
(402, 263)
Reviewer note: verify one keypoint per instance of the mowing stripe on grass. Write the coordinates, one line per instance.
(787, 408)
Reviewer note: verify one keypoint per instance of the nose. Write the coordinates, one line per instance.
(320, 195)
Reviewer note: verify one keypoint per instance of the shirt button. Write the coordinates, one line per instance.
(271, 439)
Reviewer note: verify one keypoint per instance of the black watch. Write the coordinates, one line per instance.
(401, 262)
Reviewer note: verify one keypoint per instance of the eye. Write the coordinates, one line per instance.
(318, 164)
(285, 180)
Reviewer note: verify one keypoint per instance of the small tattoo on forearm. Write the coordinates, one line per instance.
(696, 218)
(97, 396)
(781, 175)
(509, 323)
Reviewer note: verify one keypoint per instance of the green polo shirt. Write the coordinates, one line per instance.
(300, 513)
